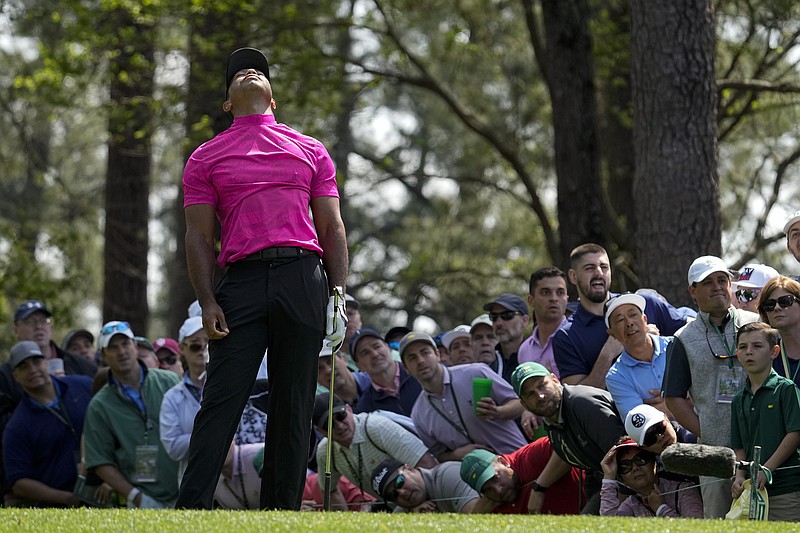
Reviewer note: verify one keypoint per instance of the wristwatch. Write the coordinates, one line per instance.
(537, 487)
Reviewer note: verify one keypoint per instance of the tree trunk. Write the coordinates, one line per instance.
(676, 184)
(128, 175)
(570, 80)
(213, 36)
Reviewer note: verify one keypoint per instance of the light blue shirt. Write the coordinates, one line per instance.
(629, 380)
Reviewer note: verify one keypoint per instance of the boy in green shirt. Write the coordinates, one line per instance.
(766, 413)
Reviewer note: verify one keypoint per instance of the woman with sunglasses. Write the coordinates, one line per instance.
(629, 469)
(779, 306)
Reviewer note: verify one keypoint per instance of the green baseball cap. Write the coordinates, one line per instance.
(477, 468)
(525, 371)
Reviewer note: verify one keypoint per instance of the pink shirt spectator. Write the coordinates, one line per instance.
(394, 390)
(531, 350)
(260, 174)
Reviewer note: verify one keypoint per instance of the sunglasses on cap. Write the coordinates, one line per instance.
(640, 459)
(654, 433)
(398, 483)
(115, 328)
(785, 301)
(747, 295)
(505, 315)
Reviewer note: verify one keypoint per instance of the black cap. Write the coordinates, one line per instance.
(321, 404)
(245, 58)
(383, 474)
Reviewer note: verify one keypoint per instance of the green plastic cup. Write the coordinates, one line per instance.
(481, 388)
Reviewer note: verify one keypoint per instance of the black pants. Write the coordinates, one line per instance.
(280, 305)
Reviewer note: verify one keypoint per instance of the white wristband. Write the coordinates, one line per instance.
(132, 496)
(662, 509)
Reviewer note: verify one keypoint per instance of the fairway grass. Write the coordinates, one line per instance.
(123, 520)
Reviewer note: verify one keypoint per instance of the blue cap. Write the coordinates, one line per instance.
(358, 335)
(512, 302)
(28, 308)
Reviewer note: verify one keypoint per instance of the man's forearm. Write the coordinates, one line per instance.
(510, 410)
(334, 255)
(554, 470)
(31, 489)
(200, 261)
(111, 475)
(682, 410)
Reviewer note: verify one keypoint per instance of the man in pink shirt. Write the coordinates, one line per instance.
(260, 179)
(548, 299)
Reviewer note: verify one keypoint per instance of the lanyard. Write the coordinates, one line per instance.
(728, 350)
(360, 466)
(60, 412)
(785, 361)
(463, 427)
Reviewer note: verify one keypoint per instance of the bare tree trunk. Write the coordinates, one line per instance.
(569, 71)
(676, 184)
(128, 175)
(213, 36)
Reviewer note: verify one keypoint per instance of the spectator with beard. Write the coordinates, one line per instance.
(583, 350)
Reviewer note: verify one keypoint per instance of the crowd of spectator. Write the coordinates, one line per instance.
(571, 417)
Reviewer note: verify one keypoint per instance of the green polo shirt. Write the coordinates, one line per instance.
(763, 419)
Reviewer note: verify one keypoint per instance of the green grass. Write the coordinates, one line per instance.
(123, 520)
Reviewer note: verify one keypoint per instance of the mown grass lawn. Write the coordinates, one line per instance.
(123, 520)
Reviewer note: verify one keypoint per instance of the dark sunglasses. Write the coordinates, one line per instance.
(196, 347)
(654, 433)
(785, 301)
(339, 417)
(715, 354)
(640, 459)
(747, 295)
(170, 359)
(505, 315)
(399, 483)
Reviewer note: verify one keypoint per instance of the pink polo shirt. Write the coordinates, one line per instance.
(260, 177)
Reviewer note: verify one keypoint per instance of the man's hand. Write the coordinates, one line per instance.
(535, 502)
(425, 507)
(654, 499)
(738, 487)
(487, 408)
(529, 423)
(214, 321)
(337, 320)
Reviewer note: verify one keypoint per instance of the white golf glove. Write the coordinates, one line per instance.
(337, 320)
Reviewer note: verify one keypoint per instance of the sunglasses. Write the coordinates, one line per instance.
(196, 347)
(715, 354)
(339, 417)
(505, 315)
(115, 328)
(640, 459)
(785, 301)
(399, 483)
(654, 433)
(170, 359)
(747, 295)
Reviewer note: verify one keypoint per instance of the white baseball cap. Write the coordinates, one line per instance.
(793, 218)
(457, 332)
(640, 419)
(623, 299)
(115, 327)
(755, 276)
(704, 266)
(480, 319)
(190, 326)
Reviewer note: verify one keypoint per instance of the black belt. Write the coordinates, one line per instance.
(277, 252)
